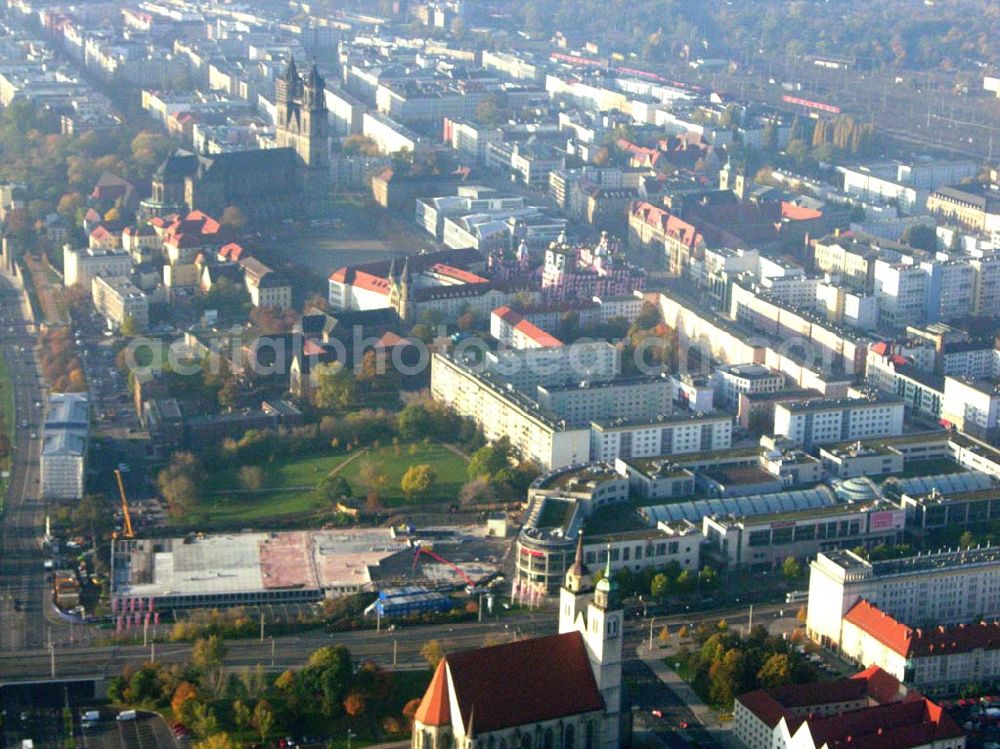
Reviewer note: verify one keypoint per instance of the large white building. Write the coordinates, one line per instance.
(972, 406)
(82, 265)
(813, 422)
(501, 411)
(64, 450)
(939, 658)
(901, 290)
(730, 381)
(948, 587)
(668, 434)
(118, 299)
(765, 541)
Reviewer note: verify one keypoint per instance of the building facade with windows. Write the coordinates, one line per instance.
(947, 587)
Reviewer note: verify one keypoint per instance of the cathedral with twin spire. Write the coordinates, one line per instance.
(563, 691)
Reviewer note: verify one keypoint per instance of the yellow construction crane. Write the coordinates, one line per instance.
(126, 517)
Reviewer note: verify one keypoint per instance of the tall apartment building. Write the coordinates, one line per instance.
(986, 292)
(730, 381)
(674, 434)
(950, 289)
(82, 265)
(501, 411)
(629, 398)
(118, 299)
(901, 290)
(815, 422)
(847, 258)
(972, 406)
(64, 448)
(943, 588)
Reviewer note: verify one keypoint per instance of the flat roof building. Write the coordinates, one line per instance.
(245, 568)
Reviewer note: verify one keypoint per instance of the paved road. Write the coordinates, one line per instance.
(292, 651)
(23, 599)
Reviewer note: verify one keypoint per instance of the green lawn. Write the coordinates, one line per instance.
(291, 504)
(449, 467)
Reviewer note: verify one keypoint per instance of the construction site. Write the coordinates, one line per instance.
(249, 569)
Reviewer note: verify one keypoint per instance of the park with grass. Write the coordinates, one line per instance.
(287, 494)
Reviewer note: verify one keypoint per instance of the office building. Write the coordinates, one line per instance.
(118, 299)
(813, 422)
(945, 587)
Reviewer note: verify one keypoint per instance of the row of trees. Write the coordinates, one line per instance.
(61, 365)
(223, 710)
(58, 170)
(724, 664)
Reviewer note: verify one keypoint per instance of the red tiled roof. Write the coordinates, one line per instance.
(543, 678)
(882, 686)
(766, 708)
(527, 328)
(893, 724)
(940, 640)
(897, 725)
(873, 621)
(799, 212)
(881, 348)
(457, 273)
(100, 232)
(390, 339)
(231, 251)
(435, 707)
(371, 282)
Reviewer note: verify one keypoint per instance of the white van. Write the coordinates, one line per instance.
(92, 716)
(126, 715)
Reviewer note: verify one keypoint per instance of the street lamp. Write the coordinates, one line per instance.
(350, 735)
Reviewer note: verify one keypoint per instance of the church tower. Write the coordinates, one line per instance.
(575, 594)
(605, 619)
(302, 123)
(595, 611)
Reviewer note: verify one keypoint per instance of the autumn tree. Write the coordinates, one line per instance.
(410, 709)
(776, 671)
(251, 478)
(218, 741)
(242, 715)
(432, 652)
(263, 720)
(185, 692)
(208, 653)
(354, 704)
(373, 478)
(336, 386)
(418, 482)
(180, 482)
(791, 568)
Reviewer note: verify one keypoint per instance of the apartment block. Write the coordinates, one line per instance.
(118, 299)
(946, 587)
(676, 434)
(82, 265)
(500, 411)
(815, 422)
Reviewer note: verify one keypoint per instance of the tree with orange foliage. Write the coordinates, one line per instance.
(410, 709)
(354, 704)
(185, 692)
